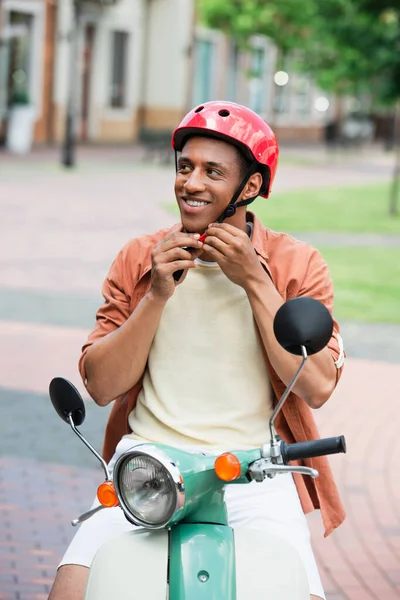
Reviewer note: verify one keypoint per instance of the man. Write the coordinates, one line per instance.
(185, 338)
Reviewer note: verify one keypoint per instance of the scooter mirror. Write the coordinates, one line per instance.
(303, 322)
(67, 400)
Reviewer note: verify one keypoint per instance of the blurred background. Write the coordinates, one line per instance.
(128, 70)
(90, 92)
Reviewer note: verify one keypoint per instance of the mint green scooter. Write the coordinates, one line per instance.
(184, 549)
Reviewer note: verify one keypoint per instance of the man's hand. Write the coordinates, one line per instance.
(232, 249)
(169, 256)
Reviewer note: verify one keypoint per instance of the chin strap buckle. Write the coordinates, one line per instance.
(228, 213)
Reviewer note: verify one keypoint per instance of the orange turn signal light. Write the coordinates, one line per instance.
(107, 495)
(228, 467)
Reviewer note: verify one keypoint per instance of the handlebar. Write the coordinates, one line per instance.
(333, 445)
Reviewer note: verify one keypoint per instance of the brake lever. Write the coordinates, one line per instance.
(86, 515)
(263, 468)
(178, 274)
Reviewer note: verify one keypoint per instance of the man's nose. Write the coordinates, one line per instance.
(195, 182)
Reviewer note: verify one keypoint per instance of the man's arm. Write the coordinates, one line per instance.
(234, 252)
(115, 362)
(318, 378)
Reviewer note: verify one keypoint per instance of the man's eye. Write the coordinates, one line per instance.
(213, 172)
(183, 168)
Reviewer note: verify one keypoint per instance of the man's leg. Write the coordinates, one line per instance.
(274, 506)
(70, 583)
(72, 574)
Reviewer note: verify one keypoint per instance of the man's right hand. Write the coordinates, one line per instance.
(169, 256)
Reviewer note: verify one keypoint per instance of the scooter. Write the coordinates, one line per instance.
(184, 548)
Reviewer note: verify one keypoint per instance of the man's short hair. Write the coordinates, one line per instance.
(243, 163)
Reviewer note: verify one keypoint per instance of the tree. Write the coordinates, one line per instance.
(334, 40)
(346, 46)
(388, 11)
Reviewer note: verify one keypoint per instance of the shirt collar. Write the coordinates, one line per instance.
(259, 237)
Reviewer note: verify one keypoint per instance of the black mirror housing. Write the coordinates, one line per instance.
(304, 322)
(67, 400)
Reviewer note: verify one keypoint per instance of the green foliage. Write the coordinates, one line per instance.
(347, 45)
(281, 21)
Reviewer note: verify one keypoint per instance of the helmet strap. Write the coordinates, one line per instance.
(230, 210)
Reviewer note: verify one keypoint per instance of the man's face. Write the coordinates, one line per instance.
(207, 178)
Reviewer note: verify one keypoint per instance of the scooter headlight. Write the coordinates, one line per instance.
(149, 487)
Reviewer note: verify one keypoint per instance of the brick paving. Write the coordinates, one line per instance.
(362, 558)
(60, 232)
(37, 503)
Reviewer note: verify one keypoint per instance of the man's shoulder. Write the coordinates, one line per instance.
(290, 259)
(291, 262)
(280, 241)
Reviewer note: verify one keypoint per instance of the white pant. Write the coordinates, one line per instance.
(272, 506)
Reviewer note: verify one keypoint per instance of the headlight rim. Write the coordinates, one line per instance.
(172, 471)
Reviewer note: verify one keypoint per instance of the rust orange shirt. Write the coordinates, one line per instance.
(296, 269)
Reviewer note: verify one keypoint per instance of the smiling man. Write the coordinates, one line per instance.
(184, 342)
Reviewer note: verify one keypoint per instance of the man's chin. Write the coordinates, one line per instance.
(193, 226)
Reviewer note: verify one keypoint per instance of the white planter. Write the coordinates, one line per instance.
(20, 129)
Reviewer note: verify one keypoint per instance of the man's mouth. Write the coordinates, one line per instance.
(195, 203)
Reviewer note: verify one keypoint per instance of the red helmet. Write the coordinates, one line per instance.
(236, 125)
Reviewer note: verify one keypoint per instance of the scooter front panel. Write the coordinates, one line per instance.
(268, 567)
(134, 566)
(202, 562)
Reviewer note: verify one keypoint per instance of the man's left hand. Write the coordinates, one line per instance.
(232, 249)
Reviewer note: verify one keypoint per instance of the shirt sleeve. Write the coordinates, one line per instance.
(113, 312)
(318, 284)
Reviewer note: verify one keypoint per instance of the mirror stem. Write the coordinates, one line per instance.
(86, 515)
(283, 399)
(92, 450)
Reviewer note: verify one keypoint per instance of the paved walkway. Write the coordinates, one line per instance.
(60, 232)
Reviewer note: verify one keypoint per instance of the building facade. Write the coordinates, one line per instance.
(27, 32)
(296, 110)
(140, 65)
(125, 81)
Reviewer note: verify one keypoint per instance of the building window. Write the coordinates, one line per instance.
(233, 72)
(282, 99)
(302, 97)
(19, 58)
(203, 82)
(257, 91)
(120, 41)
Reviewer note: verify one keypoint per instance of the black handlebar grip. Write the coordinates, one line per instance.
(333, 445)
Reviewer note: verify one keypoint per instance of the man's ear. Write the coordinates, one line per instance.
(253, 186)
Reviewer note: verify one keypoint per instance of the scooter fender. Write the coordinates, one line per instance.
(207, 562)
(215, 562)
(268, 567)
(133, 566)
(202, 562)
